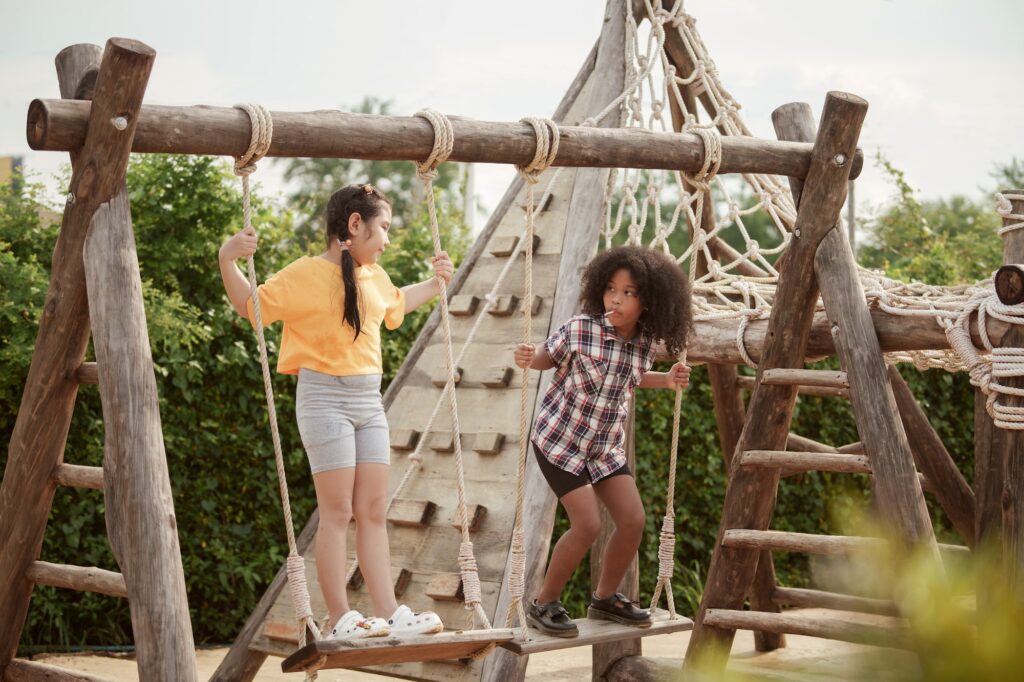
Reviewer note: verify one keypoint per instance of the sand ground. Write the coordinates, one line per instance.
(804, 659)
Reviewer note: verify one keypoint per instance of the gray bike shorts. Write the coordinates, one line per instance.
(341, 420)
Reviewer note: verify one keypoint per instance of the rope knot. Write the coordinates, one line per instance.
(444, 142)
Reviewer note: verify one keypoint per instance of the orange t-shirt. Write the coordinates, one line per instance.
(309, 297)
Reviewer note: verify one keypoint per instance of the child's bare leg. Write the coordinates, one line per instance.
(620, 496)
(334, 498)
(370, 506)
(585, 524)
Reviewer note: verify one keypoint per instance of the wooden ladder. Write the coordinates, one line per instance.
(818, 258)
(95, 282)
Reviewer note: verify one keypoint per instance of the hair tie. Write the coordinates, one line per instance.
(368, 188)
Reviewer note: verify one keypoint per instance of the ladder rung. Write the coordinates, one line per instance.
(851, 449)
(81, 578)
(798, 542)
(888, 632)
(87, 373)
(817, 391)
(796, 596)
(795, 462)
(77, 476)
(828, 378)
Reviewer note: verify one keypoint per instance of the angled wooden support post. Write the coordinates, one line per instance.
(750, 497)
(40, 432)
(898, 492)
(933, 460)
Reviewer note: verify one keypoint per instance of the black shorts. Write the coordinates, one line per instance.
(563, 482)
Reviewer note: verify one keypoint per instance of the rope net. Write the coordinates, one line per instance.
(669, 70)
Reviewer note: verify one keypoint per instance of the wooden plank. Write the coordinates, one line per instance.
(598, 632)
(504, 305)
(372, 651)
(80, 578)
(795, 462)
(414, 513)
(20, 670)
(823, 378)
(750, 496)
(76, 476)
(804, 598)
(87, 373)
(497, 377)
(502, 246)
(782, 541)
(933, 460)
(57, 125)
(40, 430)
(441, 441)
(893, 633)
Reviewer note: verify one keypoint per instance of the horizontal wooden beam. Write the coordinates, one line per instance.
(818, 378)
(812, 599)
(893, 635)
(80, 578)
(87, 373)
(748, 383)
(799, 462)
(60, 125)
(76, 476)
(714, 341)
(799, 542)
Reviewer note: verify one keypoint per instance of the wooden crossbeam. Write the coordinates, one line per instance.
(77, 476)
(893, 633)
(80, 578)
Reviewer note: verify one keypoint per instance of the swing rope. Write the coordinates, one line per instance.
(444, 140)
(547, 135)
(262, 127)
(667, 538)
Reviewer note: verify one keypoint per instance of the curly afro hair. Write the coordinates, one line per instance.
(664, 291)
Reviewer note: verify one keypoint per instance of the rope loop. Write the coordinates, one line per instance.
(548, 136)
(444, 142)
(262, 131)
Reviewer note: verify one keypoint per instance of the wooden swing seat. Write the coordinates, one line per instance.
(371, 651)
(594, 631)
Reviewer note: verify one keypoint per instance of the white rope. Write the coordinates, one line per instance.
(262, 127)
(444, 140)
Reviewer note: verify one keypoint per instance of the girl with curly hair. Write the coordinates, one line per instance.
(631, 297)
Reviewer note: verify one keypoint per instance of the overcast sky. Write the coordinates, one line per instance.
(941, 76)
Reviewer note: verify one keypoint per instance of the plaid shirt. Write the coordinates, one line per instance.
(580, 423)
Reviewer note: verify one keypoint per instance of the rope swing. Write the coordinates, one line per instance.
(444, 140)
(262, 126)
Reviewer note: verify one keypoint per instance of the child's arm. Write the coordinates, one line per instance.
(237, 246)
(679, 376)
(418, 294)
(527, 355)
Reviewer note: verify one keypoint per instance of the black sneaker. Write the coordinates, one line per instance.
(551, 619)
(619, 609)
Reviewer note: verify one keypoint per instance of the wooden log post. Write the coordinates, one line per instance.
(750, 496)
(41, 429)
(898, 493)
(586, 206)
(137, 489)
(1011, 498)
(933, 460)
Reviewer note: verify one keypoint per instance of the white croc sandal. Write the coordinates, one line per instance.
(354, 626)
(405, 622)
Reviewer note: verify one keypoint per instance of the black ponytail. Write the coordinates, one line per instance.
(367, 201)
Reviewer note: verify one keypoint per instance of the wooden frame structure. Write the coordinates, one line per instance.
(95, 287)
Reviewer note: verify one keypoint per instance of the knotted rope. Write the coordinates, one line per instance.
(262, 127)
(667, 538)
(444, 139)
(547, 136)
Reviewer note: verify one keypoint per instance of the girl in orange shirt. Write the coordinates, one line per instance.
(332, 307)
